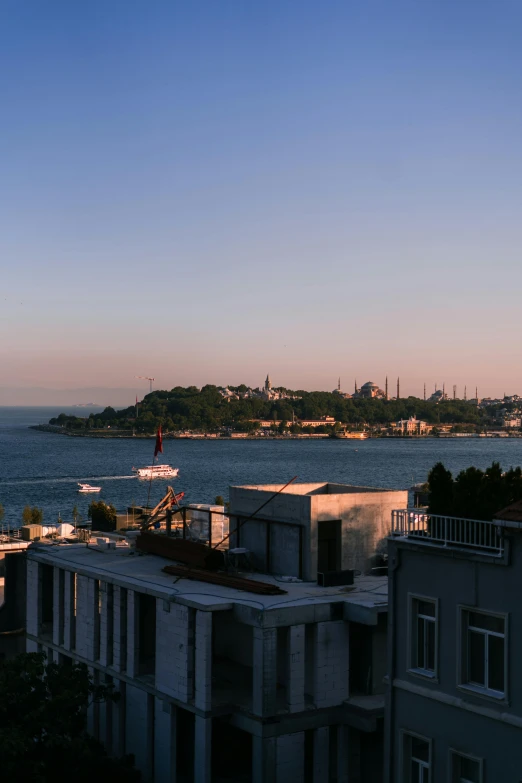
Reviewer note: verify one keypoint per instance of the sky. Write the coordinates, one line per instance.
(205, 192)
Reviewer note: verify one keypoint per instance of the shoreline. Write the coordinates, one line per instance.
(55, 430)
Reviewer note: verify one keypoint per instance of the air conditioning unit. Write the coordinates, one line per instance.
(335, 578)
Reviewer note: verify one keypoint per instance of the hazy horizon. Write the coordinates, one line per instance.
(205, 192)
(126, 396)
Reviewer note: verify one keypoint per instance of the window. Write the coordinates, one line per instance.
(483, 660)
(416, 759)
(423, 650)
(465, 769)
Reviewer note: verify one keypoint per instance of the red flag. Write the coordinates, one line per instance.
(159, 442)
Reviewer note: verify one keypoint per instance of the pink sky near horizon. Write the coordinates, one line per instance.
(206, 197)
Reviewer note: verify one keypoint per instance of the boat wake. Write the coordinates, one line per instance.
(62, 480)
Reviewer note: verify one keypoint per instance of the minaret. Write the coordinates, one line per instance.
(424, 392)
(398, 389)
(339, 385)
(386, 388)
(476, 394)
(465, 393)
(268, 384)
(454, 391)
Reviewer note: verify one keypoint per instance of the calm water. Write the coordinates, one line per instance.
(41, 469)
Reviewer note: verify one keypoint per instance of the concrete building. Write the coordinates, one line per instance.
(311, 528)
(454, 707)
(12, 594)
(219, 684)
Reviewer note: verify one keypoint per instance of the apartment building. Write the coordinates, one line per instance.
(454, 706)
(219, 683)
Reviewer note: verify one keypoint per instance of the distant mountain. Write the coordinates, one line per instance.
(39, 395)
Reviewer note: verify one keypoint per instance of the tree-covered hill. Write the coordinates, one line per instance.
(206, 410)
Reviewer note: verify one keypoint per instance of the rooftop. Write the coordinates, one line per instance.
(306, 601)
(318, 488)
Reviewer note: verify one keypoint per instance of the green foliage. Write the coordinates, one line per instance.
(206, 410)
(220, 500)
(32, 516)
(474, 494)
(441, 487)
(102, 514)
(43, 735)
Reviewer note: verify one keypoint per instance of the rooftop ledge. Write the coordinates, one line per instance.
(472, 535)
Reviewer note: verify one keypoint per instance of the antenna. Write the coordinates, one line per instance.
(146, 378)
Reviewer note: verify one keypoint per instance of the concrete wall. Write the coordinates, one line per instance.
(366, 521)
(449, 728)
(485, 585)
(175, 650)
(472, 724)
(365, 514)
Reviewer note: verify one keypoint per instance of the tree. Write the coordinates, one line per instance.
(37, 515)
(27, 515)
(76, 514)
(102, 515)
(43, 734)
(220, 500)
(440, 482)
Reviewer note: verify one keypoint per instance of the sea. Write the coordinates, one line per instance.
(43, 469)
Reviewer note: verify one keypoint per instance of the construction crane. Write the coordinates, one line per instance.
(146, 378)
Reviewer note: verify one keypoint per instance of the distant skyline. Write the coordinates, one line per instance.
(125, 396)
(203, 192)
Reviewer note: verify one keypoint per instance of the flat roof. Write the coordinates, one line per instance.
(316, 488)
(306, 601)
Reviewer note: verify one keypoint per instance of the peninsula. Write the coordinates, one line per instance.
(243, 412)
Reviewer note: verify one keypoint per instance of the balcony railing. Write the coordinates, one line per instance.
(471, 534)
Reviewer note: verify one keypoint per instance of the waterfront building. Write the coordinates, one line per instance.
(221, 683)
(413, 426)
(454, 706)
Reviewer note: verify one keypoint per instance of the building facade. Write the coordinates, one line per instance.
(454, 706)
(217, 683)
(413, 426)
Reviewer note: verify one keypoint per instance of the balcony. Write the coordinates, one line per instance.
(473, 535)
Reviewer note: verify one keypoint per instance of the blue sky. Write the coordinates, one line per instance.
(206, 191)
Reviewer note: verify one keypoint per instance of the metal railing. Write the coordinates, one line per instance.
(471, 534)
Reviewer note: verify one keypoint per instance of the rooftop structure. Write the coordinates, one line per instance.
(312, 528)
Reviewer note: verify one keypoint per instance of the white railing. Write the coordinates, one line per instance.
(471, 534)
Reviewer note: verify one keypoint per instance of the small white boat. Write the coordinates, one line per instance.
(156, 471)
(88, 488)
